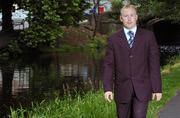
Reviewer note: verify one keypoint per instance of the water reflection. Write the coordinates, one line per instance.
(45, 76)
(20, 80)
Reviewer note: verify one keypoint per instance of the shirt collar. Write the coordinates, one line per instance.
(134, 29)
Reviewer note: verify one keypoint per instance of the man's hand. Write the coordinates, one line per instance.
(157, 96)
(108, 96)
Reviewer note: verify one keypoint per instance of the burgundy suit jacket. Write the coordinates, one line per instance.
(126, 69)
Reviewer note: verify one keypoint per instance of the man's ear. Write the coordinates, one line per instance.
(136, 17)
(120, 18)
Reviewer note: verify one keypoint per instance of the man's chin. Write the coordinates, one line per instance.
(130, 26)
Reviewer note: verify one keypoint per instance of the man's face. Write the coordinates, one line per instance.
(128, 17)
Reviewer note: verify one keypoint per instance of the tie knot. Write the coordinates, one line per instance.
(131, 34)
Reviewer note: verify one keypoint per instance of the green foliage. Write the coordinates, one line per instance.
(71, 11)
(148, 9)
(116, 5)
(95, 47)
(46, 18)
(40, 35)
(169, 10)
(172, 10)
(98, 42)
(13, 47)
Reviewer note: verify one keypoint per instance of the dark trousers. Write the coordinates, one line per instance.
(132, 109)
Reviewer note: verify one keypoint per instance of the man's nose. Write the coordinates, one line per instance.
(129, 17)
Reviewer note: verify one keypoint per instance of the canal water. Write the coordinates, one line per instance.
(38, 77)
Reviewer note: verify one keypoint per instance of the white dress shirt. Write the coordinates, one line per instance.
(134, 29)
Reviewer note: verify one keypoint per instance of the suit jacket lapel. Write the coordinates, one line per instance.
(137, 38)
(123, 39)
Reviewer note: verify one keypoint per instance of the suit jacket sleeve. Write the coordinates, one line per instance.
(108, 68)
(154, 64)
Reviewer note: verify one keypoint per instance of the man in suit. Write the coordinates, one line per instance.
(131, 69)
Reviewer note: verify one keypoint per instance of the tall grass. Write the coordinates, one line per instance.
(93, 105)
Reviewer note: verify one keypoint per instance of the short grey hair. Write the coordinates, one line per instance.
(128, 6)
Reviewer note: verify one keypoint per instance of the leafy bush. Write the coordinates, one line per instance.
(97, 42)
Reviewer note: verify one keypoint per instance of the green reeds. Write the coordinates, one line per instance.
(91, 105)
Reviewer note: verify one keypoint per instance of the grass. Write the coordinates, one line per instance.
(93, 105)
(171, 84)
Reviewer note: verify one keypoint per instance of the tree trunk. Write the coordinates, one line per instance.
(96, 17)
(7, 24)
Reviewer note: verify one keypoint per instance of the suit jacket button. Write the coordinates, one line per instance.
(131, 56)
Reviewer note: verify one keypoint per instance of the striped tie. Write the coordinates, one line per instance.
(131, 39)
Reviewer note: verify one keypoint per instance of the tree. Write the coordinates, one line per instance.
(46, 19)
(171, 10)
(152, 11)
(7, 24)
